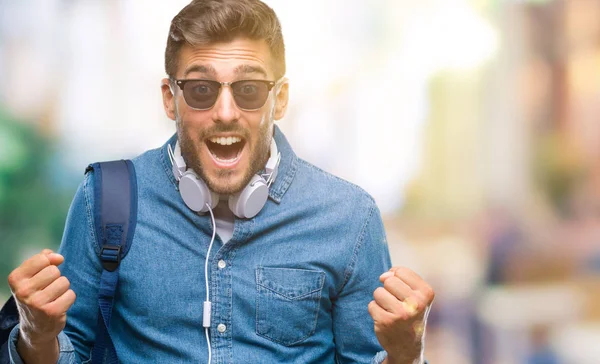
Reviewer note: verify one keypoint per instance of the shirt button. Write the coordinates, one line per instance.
(221, 328)
(222, 264)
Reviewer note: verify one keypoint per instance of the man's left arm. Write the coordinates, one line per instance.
(363, 327)
(400, 309)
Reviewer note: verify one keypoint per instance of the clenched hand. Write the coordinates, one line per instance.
(43, 298)
(400, 312)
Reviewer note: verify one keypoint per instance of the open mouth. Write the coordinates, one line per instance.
(226, 151)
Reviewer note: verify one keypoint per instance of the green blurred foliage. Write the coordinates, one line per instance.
(32, 208)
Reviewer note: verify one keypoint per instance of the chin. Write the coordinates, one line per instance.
(226, 185)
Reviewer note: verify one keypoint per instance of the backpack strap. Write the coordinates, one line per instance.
(9, 318)
(115, 216)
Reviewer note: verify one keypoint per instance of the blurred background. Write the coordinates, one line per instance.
(474, 124)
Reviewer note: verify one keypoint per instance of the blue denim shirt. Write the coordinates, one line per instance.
(295, 287)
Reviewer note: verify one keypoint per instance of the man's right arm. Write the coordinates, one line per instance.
(43, 297)
(32, 352)
(40, 335)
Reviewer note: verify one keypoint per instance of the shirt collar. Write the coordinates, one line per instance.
(288, 165)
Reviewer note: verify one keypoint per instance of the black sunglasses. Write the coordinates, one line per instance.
(203, 94)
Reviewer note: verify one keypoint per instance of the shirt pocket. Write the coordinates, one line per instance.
(287, 303)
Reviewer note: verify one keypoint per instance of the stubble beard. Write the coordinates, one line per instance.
(191, 146)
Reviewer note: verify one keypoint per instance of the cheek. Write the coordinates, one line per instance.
(268, 114)
(192, 120)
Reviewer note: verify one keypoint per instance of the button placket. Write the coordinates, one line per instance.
(221, 283)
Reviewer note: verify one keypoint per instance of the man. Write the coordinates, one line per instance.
(299, 282)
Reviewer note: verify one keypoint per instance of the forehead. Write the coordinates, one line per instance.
(241, 56)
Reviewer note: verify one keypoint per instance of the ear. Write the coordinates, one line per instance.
(168, 98)
(281, 98)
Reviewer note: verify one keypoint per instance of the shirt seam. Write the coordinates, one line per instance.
(88, 209)
(332, 176)
(359, 243)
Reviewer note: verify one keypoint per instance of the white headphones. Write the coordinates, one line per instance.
(245, 204)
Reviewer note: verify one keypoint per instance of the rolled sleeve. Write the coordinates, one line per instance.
(379, 357)
(67, 352)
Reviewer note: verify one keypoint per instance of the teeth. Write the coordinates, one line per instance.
(225, 140)
(225, 160)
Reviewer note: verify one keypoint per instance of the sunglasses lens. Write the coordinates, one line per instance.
(201, 94)
(250, 95)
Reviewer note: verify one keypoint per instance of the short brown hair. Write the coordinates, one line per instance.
(204, 22)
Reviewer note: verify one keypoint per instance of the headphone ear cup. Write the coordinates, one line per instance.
(248, 202)
(195, 193)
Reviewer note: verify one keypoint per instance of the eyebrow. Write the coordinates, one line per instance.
(210, 70)
(202, 69)
(246, 68)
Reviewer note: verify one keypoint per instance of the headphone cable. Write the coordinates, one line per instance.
(207, 303)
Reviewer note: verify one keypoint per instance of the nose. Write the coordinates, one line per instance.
(225, 109)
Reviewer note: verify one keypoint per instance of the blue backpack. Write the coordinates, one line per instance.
(115, 217)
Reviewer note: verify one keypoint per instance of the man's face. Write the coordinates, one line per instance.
(226, 145)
